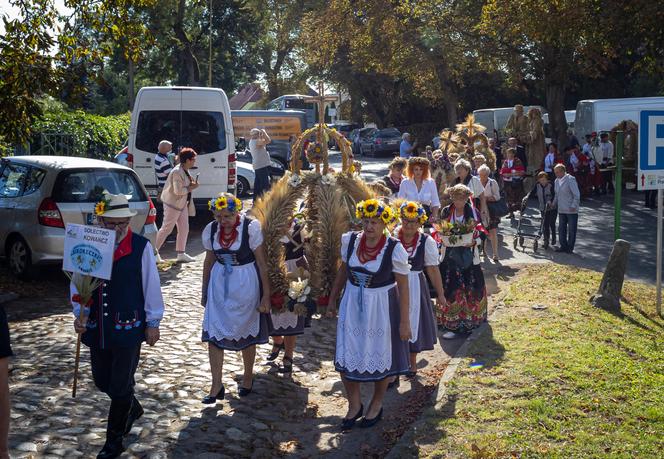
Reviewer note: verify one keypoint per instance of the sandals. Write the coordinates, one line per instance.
(287, 365)
(274, 354)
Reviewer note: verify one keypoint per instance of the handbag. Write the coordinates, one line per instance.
(498, 208)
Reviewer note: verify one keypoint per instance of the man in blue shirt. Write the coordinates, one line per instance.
(406, 148)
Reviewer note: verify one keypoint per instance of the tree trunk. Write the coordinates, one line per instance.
(189, 61)
(555, 103)
(610, 289)
(130, 71)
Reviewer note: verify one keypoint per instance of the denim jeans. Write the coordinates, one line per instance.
(567, 230)
(261, 181)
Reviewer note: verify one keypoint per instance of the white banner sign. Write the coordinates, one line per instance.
(89, 250)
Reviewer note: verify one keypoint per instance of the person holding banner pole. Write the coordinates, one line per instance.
(123, 312)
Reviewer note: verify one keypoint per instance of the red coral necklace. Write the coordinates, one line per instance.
(226, 240)
(366, 254)
(409, 246)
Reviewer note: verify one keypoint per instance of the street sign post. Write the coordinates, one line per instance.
(651, 174)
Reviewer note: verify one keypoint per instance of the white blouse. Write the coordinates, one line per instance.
(475, 186)
(427, 195)
(431, 252)
(255, 236)
(399, 256)
(492, 190)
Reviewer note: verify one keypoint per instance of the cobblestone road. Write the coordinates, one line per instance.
(296, 416)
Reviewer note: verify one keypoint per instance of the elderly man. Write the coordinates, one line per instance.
(566, 199)
(162, 163)
(122, 313)
(512, 142)
(406, 148)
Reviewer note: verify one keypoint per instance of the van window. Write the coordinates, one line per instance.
(202, 131)
(88, 185)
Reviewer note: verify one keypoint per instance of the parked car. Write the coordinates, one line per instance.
(344, 129)
(381, 141)
(357, 135)
(245, 179)
(39, 195)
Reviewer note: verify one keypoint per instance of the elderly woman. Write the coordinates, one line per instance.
(463, 169)
(395, 177)
(492, 195)
(512, 173)
(463, 280)
(178, 205)
(236, 291)
(420, 187)
(478, 160)
(423, 256)
(374, 265)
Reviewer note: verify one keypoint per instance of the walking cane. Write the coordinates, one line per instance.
(78, 357)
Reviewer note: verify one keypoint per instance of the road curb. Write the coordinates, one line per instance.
(406, 447)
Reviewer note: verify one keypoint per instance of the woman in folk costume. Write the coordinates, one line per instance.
(236, 291)
(423, 256)
(286, 325)
(373, 327)
(463, 281)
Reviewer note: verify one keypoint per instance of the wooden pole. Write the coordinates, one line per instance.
(76, 362)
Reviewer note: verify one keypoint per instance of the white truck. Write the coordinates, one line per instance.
(596, 115)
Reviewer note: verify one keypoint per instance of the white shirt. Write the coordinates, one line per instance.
(549, 159)
(492, 190)
(606, 152)
(259, 156)
(427, 195)
(475, 186)
(431, 253)
(255, 236)
(154, 301)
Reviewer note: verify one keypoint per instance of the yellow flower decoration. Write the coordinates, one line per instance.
(413, 210)
(371, 208)
(222, 202)
(100, 208)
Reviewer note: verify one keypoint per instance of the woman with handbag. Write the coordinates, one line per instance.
(496, 205)
(178, 205)
(465, 307)
(512, 173)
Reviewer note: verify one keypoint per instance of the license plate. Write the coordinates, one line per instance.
(91, 219)
(153, 192)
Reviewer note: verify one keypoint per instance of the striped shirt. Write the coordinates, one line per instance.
(162, 167)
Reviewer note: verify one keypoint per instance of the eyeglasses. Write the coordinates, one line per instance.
(115, 225)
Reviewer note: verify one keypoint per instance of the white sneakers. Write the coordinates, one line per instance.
(184, 258)
(158, 258)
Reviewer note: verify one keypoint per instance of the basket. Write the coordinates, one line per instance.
(460, 240)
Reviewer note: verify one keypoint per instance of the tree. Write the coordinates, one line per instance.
(551, 42)
(26, 70)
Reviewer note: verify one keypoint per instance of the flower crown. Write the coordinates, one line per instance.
(413, 210)
(372, 208)
(102, 205)
(222, 202)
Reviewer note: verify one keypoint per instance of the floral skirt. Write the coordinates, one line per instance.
(465, 295)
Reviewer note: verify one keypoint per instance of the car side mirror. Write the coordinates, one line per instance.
(240, 144)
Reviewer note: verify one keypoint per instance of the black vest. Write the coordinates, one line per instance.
(242, 256)
(117, 314)
(417, 260)
(383, 277)
(291, 252)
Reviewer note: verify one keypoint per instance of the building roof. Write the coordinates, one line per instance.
(248, 94)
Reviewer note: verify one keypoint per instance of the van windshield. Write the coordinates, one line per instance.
(202, 131)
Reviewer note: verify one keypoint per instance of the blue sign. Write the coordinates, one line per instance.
(86, 258)
(651, 140)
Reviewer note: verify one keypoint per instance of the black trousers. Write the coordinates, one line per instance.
(113, 370)
(607, 181)
(549, 225)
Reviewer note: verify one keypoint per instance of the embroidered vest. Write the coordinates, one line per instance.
(417, 260)
(242, 256)
(117, 315)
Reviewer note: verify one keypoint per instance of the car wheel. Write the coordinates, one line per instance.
(20, 258)
(242, 187)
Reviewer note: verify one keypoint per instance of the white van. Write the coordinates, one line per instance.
(496, 118)
(603, 114)
(199, 118)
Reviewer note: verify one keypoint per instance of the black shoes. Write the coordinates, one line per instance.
(211, 399)
(287, 366)
(118, 415)
(366, 423)
(347, 424)
(394, 383)
(274, 354)
(243, 392)
(135, 412)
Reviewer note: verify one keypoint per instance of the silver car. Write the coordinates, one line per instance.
(40, 194)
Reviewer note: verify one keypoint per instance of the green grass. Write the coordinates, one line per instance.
(569, 381)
